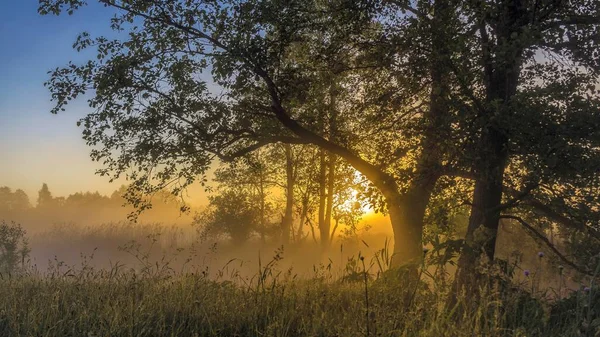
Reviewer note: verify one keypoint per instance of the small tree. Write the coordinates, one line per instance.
(45, 198)
(230, 213)
(13, 247)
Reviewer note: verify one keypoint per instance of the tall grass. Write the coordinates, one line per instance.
(161, 282)
(155, 299)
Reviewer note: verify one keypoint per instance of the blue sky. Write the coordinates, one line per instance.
(36, 146)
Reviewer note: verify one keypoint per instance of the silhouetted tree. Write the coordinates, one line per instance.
(232, 213)
(536, 133)
(13, 247)
(45, 199)
(266, 69)
(13, 202)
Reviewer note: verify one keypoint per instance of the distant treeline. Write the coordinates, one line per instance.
(84, 208)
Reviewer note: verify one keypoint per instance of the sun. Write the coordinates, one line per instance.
(353, 200)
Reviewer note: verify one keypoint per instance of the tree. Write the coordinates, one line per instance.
(11, 202)
(231, 213)
(306, 189)
(254, 176)
(531, 111)
(20, 201)
(346, 207)
(45, 199)
(271, 70)
(13, 247)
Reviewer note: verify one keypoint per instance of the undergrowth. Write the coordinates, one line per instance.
(157, 300)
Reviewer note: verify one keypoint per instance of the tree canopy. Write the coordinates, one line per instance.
(495, 100)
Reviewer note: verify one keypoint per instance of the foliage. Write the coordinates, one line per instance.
(16, 201)
(425, 90)
(14, 249)
(233, 213)
(187, 117)
(581, 310)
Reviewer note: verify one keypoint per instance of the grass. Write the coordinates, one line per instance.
(163, 289)
(156, 300)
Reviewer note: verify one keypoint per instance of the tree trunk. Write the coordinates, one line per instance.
(286, 223)
(482, 230)
(303, 214)
(326, 237)
(261, 192)
(487, 198)
(501, 82)
(326, 229)
(322, 199)
(408, 234)
(408, 213)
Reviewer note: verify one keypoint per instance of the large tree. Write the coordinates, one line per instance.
(159, 119)
(535, 137)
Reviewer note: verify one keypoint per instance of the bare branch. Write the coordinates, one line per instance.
(556, 216)
(533, 232)
(517, 198)
(261, 143)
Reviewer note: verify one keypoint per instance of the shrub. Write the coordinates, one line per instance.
(13, 247)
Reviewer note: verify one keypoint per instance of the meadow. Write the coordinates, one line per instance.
(157, 284)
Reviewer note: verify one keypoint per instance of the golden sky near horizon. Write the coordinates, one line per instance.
(50, 150)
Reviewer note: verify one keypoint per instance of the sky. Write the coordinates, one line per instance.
(36, 146)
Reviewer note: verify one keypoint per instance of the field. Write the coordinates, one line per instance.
(164, 291)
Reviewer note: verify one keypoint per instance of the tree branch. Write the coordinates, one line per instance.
(410, 9)
(517, 197)
(382, 180)
(533, 232)
(556, 216)
(260, 143)
(575, 20)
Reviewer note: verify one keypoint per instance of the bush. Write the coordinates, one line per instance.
(579, 313)
(13, 247)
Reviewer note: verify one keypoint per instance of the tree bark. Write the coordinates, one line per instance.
(326, 228)
(482, 230)
(323, 200)
(408, 213)
(286, 223)
(501, 80)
